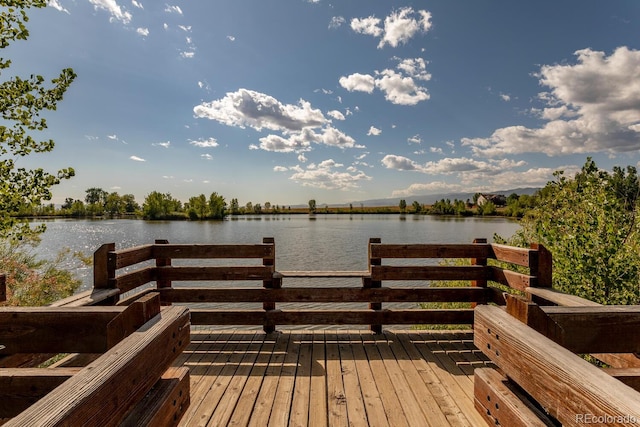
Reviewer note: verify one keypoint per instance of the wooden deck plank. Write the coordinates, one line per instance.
(390, 400)
(331, 378)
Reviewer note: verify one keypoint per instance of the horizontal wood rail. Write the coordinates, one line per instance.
(154, 262)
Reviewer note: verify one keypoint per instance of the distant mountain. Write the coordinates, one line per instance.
(432, 198)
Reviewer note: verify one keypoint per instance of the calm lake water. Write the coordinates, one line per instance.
(328, 242)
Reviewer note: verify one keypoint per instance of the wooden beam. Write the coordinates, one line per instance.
(330, 317)
(206, 251)
(509, 278)
(501, 404)
(325, 295)
(545, 296)
(165, 404)
(513, 255)
(568, 387)
(22, 387)
(629, 376)
(87, 298)
(106, 390)
(431, 251)
(214, 273)
(55, 329)
(129, 281)
(387, 272)
(102, 271)
(130, 256)
(133, 317)
(323, 274)
(603, 329)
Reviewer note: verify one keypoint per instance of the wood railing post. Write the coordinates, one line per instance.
(3, 287)
(542, 267)
(377, 329)
(163, 262)
(478, 261)
(104, 270)
(273, 283)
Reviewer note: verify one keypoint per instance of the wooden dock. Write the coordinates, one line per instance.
(332, 378)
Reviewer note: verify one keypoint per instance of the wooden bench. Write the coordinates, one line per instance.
(137, 344)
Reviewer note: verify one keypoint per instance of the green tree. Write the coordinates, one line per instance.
(113, 204)
(198, 208)
(312, 206)
(417, 207)
(589, 223)
(22, 102)
(161, 206)
(130, 204)
(217, 206)
(234, 207)
(403, 205)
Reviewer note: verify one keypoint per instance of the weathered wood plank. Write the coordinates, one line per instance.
(336, 398)
(353, 389)
(510, 278)
(99, 388)
(165, 404)
(213, 273)
(130, 256)
(388, 272)
(322, 274)
(318, 399)
(431, 251)
(320, 295)
(299, 415)
(102, 269)
(87, 298)
(603, 329)
(544, 296)
(286, 383)
(330, 317)
(22, 387)
(513, 255)
(206, 251)
(629, 376)
(55, 329)
(500, 405)
(531, 360)
(132, 318)
(129, 281)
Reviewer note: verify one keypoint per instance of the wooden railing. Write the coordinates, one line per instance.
(120, 356)
(160, 268)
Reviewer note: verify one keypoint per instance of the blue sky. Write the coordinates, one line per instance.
(291, 100)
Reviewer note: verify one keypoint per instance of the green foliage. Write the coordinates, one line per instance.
(312, 206)
(403, 205)
(417, 207)
(487, 208)
(445, 207)
(589, 223)
(161, 206)
(21, 102)
(33, 282)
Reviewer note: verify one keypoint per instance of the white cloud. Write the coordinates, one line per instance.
(165, 144)
(374, 131)
(173, 9)
(165, 26)
(427, 188)
(280, 169)
(137, 159)
(324, 175)
(301, 141)
(185, 28)
(206, 156)
(436, 150)
(231, 38)
(392, 161)
(302, 158)
(449, 166)
(399, 27)
(415, 139)
(187, 54)
(590, 106)
(137, 4)
(336, 115)
(56, 5)
(400, 87)
(369, 26)
(112, 7)
(359, 82)
(505, 97)
(143, 31)
(336, 22)
(205, 143)
(258, 110)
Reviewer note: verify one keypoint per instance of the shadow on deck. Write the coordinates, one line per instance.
(332, 377)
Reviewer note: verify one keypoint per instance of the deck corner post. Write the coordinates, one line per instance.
(163, 262)
(482, 262)
(376, 329)
(274, 283)
(542, 267)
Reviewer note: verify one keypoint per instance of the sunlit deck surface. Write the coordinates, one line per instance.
(332, 377)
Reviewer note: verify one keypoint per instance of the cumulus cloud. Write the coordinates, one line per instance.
(137, 4)
(400, 86)
(336, 115)
(336, 22)
(142, 31)
(137, 159)
(592, 105)
(426, 188)
(358, 82)
(205, 143)
(374, 131)
(280, 169)
(206, 156)
(56, 5)
(398, 28)
(449, 166)
(326, 175)
(415, 139)
(165, 144)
